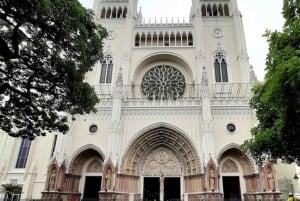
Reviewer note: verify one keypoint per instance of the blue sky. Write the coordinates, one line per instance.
(258, 15)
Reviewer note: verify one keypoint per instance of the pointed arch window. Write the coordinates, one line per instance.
(203, 10)
(106, 70)
(23, 153)
(220, 67)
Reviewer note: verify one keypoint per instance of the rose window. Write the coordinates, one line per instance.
(163, 83)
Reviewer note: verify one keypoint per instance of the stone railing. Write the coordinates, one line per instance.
(191, 92)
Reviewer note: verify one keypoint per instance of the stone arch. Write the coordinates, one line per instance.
(114, 12)
(220, 10)
(164, 57)
(160, 136)
(103, 12)
(203, 10)
(226, 10)
(81, 155)
(119, 13)
(108, 13)
(125, 12)
(215, 10)
(232, 151)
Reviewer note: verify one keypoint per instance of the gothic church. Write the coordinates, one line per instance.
(173, 112)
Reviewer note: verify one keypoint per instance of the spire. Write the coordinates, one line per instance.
(140, 16)
(253, 77)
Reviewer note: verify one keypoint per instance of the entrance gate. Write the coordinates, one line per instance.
(166, 189)
(231, 188)
(92, 188)
(172, 189)
(151, 188)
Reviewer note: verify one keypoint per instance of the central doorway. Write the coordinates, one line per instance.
(92, 188)
(231, 188)
(151, 188)
(172, 189)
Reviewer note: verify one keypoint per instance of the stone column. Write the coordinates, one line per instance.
(115, 127)
(162, 187)
(207, 131)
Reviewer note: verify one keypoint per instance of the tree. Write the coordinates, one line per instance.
(46, 47)
(277, 99)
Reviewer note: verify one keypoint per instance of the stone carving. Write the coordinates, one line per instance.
(218, 33)
(52, 179)
(118, 89)
(161, 180)
(243, 55)
(94, 166)
(115, 127)
(201, 56)
(211, 179)
(207, 125)
(108, 179)
(229, 166)
(162, 162)
(270, 180)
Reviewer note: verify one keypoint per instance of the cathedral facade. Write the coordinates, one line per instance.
(173, 112)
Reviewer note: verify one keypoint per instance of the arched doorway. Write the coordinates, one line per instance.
(87, 165)
(162, 175)
(165, 161)
(90, 183)
(234, 167)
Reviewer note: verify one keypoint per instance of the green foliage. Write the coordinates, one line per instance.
(46, 47)
(277, 99)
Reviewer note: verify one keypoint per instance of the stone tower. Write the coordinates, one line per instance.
(173, 112)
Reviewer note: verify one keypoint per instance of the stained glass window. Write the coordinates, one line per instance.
(23, 153)
(220, 65)
(106, 70)
(163, 83)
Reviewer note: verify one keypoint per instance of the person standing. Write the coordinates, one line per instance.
(291, 197)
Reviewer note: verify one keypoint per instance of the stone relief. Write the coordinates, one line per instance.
(229, 166)
(162, 162)
(94, 166)
(217, 33)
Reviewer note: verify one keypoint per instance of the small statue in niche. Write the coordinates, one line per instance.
(270, 179)
(52, 179)
(212, 179)
(108, 179)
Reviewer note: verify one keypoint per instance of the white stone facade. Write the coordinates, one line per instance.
(183, 123)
